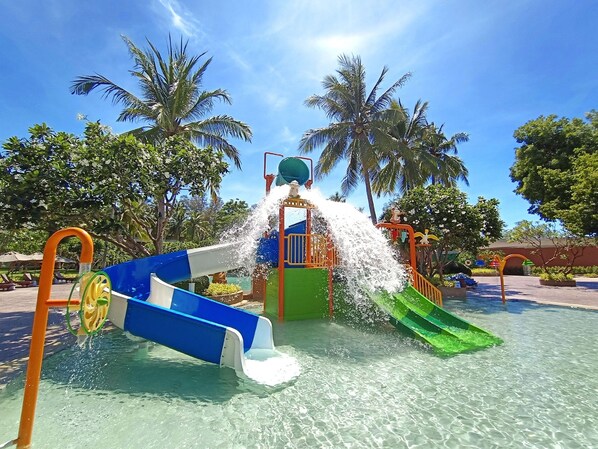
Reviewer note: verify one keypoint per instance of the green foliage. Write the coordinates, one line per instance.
(589, 271)
(172, 101)
(231, 214)
(24, 241)
(488, 255)
(121, 190)
(338, 197)
(357, 124)
(445, 212)
(222, 289)
(438, 282)
(556, 277)
(484, 272)
(556, 170)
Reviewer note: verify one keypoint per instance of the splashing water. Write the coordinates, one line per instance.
(367, 263)
(366, 259)
(257, 223)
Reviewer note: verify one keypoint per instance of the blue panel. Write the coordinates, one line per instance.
(133, 278)
(267, 250)
(187, 334)
(175, 271)
(297, 228)
(206, 309)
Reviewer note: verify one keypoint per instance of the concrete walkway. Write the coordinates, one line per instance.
(17, 308)
(528, 288)
(16, 320)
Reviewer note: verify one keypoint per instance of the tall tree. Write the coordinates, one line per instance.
(556, 170)
(358, 124)
(123, 191)
(446, 213)
(405, 164)
(448, 167)
(172, 102)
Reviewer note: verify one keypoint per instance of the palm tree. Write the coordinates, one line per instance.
(358, 124)
(337, 197)
(405, 164)
(449, 168)
(172, 101)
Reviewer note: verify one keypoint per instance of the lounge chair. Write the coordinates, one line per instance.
(5, 286)
(31, 278)
(60, 279)
(7, 280)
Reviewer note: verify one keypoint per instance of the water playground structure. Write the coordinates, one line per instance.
(297, 275)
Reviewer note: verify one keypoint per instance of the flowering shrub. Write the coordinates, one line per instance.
(445, 212)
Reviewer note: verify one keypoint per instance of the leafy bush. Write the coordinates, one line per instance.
(222, 289)
(455, 267)
(590, 271)
(556, 277)
(484, 272)
(437, 282)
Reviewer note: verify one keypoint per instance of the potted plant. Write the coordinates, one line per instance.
(450, 290)
(226, 293)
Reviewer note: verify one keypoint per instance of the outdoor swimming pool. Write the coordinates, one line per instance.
(359, 387)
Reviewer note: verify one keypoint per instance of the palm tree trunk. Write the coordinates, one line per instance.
(368, 191)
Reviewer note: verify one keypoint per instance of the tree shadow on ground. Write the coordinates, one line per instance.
(15, 340)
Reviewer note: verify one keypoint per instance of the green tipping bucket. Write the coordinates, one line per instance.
(292, 169)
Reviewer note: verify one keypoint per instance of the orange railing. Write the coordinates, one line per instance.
(427, 289)
(310, 250)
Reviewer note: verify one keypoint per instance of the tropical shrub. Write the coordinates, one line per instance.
(590, 271)
(222, 289)
(556, 277)
(484, 272)
(445, 213)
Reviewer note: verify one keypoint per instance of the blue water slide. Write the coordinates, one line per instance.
(146, 305)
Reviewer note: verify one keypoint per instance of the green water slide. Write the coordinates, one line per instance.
(413, 314)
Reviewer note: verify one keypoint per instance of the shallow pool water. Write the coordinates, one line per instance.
(359, 388)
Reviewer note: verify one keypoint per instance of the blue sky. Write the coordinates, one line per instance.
(485, 68)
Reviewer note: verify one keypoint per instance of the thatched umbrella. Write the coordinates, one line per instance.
(13, 256)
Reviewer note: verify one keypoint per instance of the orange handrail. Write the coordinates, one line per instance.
(40, 322)
(310, 250)
(409, 229)
(501, 267)
(426, 288)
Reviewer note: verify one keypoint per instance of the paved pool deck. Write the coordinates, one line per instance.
(17, 308)
(528, 288)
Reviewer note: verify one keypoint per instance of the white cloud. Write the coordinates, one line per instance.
(181, 19)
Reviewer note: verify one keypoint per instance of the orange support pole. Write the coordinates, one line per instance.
(501, 267)
(269, 178)
(40, 322)
(308, 259)
(281, 242)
